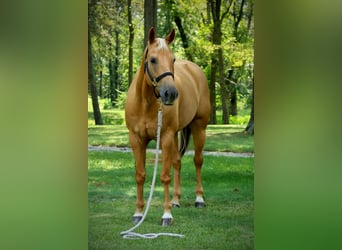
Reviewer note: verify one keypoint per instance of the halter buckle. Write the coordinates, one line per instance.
(154, 82)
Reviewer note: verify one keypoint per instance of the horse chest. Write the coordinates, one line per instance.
(146, 128)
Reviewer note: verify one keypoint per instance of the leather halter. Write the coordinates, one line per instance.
(158, 78)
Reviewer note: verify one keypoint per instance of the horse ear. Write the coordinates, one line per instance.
(170, 37)
(151, 35)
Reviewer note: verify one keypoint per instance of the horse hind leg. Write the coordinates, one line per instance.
(198, 133)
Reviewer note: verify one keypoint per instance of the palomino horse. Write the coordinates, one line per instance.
(182, 88)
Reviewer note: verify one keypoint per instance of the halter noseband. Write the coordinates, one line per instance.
(157, 79)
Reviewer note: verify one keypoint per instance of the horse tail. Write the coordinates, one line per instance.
(184, 139)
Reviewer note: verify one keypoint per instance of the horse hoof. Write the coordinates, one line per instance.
(136, 219)
(166, 222)
(175, 205)
(199, 204)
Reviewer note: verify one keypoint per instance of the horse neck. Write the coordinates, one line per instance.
(144, 91)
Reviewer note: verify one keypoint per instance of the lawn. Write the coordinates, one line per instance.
(225, 223)
(223, 138)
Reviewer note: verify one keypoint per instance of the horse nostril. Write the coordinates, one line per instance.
(168, 94)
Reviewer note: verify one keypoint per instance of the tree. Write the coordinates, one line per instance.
(250, 126)
(150, 17)
(91, 76)
(92, 85)
(217, 63)
(113, 66)
(237, 15)
(165, 16)
(130, 42)
(183, 36)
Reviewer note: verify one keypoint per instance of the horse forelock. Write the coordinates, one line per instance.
(161, 44)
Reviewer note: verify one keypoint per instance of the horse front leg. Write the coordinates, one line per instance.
(168, 149)
(176, 176)
(139, 149)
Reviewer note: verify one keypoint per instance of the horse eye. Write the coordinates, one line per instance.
(153, 60)
(174, 59)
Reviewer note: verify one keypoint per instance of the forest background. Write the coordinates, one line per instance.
(217, 35)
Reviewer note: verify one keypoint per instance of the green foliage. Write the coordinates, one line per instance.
(239, 120)
(108, 17)
(107, 104)
(225, 223)
(234, 120)
(121, 100)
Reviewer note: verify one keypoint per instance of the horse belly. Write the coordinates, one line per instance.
(194, 94)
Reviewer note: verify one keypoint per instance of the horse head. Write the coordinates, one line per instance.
(159, 68)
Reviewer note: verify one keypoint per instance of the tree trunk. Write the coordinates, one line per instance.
(212, 90)
(233, 102)
(250, 16)
(233, 93)
(101, 80)
(224, 89)
(113, 66)
(250, 126)
(168, 16)
(150, 17)
(116, 66)
(130, 42)
(208, 21)
(183, 36)
(111, 81)
(237, 19)
(215, 7)
(92, 85)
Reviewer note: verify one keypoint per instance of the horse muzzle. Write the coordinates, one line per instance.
(168, 94)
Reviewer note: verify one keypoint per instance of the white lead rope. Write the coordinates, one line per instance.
(129, 234)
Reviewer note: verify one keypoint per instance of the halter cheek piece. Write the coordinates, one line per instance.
(157, 79)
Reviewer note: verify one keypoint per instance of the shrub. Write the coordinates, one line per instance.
(107, 104)
(121, 99)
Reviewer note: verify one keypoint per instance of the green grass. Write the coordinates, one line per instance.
(224, 138)
(226, 222)
(109, 117)
(108, 135)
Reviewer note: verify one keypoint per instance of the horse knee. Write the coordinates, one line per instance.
(165, 178)
(177, 164)
(198, 160)
(140, 177)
